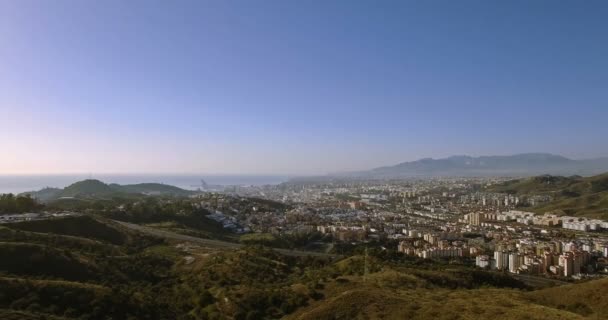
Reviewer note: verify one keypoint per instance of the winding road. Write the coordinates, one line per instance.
(215, 243)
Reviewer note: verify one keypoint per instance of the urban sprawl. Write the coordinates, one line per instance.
(431, 219)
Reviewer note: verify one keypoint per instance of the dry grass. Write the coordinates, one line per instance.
(394, 295)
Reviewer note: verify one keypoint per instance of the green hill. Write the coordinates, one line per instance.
(79, 226)
(557, 185)
(41, 260)
(152, 188)
(6, 314)
(584, 298)
(372, 302)
(87, 188)
(61, 242)
(403, 294)
(80, 267)
(95, 189)
(590, 205)
(576, 196)
(90, 268)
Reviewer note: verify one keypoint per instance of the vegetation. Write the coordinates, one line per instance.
(79, 226)
(575, 196)
(10, 203)
(358, 300)
(95, 189)
(89, 267)
(585, 298)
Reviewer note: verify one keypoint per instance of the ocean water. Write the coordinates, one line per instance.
(22, 183)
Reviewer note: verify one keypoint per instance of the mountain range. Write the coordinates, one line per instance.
(527, 164)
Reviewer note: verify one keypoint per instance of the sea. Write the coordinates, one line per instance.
(23, 183)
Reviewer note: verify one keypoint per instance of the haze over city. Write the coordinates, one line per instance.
(275, 87)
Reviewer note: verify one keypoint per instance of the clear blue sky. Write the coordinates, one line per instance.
(299, 87)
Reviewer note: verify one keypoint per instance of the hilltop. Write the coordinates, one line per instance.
(575, 195)
(95, 189)
(527, 164)
(353, 298)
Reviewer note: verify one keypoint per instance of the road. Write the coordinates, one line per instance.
(538, 281)
(215, 243)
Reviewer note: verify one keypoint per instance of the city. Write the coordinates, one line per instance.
(303, 160)
(441, 218)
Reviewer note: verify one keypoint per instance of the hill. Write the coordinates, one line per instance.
(152, 189)
(79, 226)
(78, 267)
(87, 188)
(528, 164)
(373, 302)
(95, 189)
(580, 298)
(394, 292)
(67, 268)
(27, 259)
(398, 293)
(575, 196)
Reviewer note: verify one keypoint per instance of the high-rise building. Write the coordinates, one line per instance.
(475, 218)
(502, 260)
(514, 262)
(566, 261)
(547, 261)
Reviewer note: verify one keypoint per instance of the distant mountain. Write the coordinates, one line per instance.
(528, 164)
(95, 189)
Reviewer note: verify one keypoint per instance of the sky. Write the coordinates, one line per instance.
(296, 87)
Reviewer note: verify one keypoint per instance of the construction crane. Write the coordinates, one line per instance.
(202, 186)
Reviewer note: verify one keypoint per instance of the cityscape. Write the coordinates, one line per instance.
(430, 223)
(440, 218)
(303, 160)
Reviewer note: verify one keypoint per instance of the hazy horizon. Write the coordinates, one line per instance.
(289, 88)
(33, 182)
(93, 174)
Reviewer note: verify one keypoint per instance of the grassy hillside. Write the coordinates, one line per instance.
(576, 196)
(80, 267)
(62, 242)
(41, 260)
(587, 298)
(79, 226)
(536, 185)
(442, 292)
(58, 298)
(591, 206)
(402, 295)
(370, 302)
(7, 314)
(555, 185)
(71, 269)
